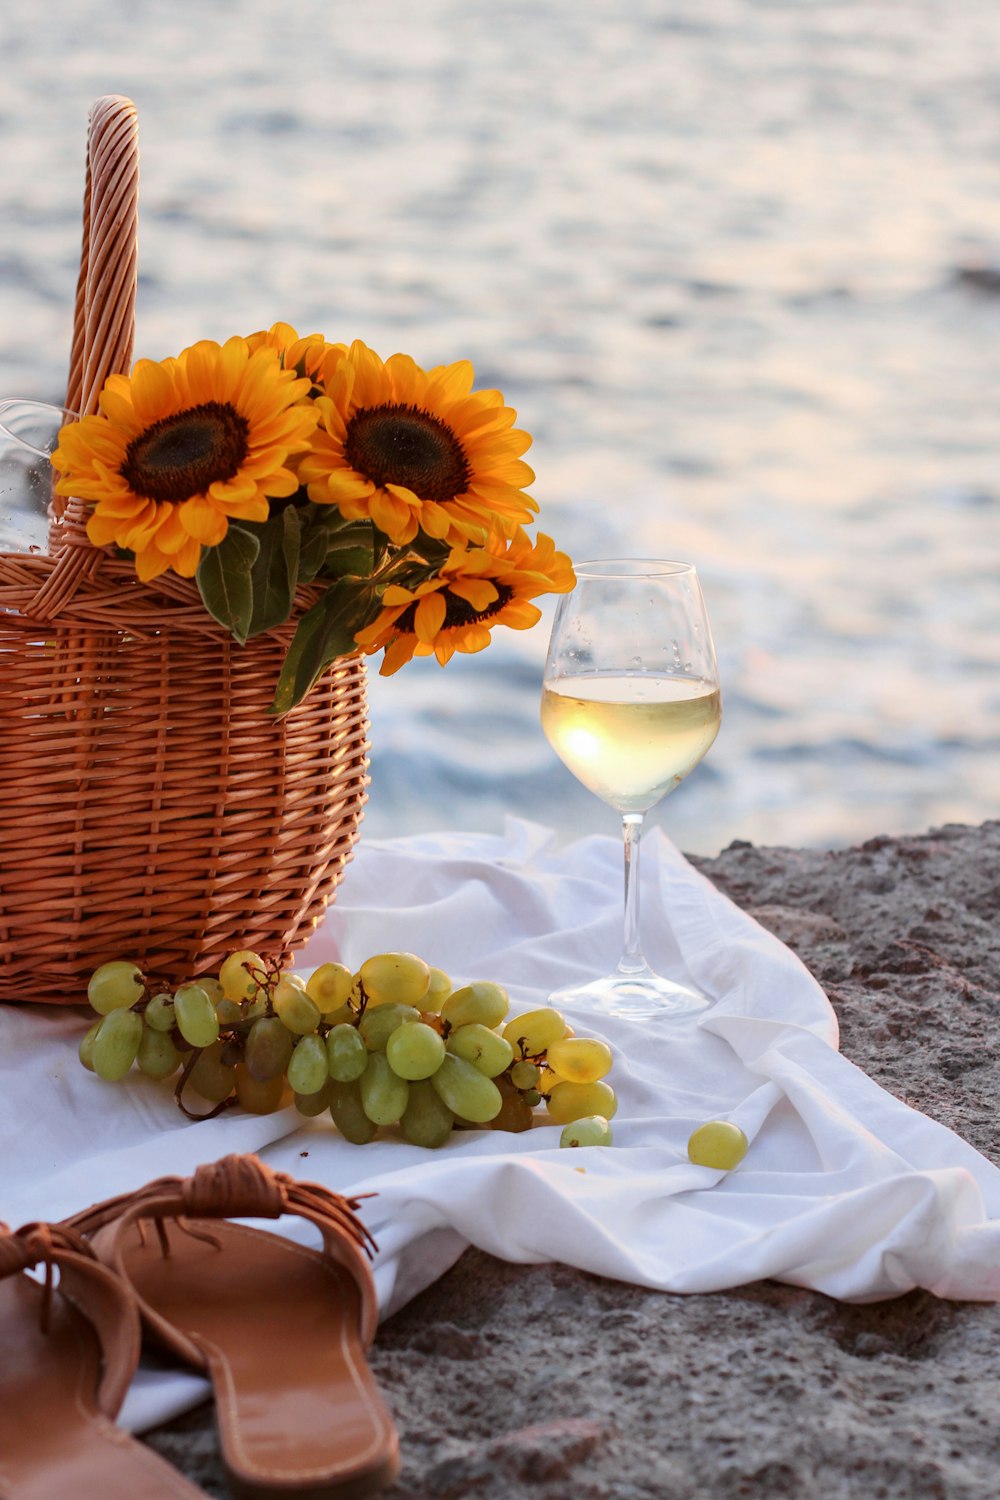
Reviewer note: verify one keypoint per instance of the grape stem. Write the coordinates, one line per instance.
(179, 1091)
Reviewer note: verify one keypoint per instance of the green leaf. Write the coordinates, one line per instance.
(225, 583)
(275, 571)
(324, 633)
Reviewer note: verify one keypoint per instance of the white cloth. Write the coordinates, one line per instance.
(844, 1188)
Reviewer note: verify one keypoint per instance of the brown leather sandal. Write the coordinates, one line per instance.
(279, 1329)
(66, 1359)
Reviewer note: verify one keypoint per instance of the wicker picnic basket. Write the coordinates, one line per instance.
(150, 806)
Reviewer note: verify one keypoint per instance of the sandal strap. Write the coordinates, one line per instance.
(98, 1295)
(238, 1187)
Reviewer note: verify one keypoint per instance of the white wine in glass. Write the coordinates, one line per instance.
(630, 704)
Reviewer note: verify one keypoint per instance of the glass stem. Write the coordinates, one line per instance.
(632, 961)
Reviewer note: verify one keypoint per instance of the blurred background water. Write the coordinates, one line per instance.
(735, 262)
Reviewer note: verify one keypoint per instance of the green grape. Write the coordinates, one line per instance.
(531, 1097)
(525, 1075)
(159, 1013)
(482, 1003)
(115, 986)
(427, 1120)
(229, 1013)
(588, 1130)
(250, 1010)
(212, 987)
(329, 987)
(377, 1026)
(718, 1143)
(580, 1059)
(395, 978)
(535, 1030)
(293, 1005)
(415, 1051)
(116, 1044)
(269, 1048)
(438, 990)
(312, 1105)
(383, 1093)
(348, 1114)
(346, 1053)
(483, 1048)
(259, 1096)
(234, 977)
(86, 1048)
(344, 1015)
(571, 1101)
(195, 1013)
(308, 1071)
(211, 1077)
(466, 1091)
(157, 1056)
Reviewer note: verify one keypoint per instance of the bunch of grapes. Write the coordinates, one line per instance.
(395, 1044)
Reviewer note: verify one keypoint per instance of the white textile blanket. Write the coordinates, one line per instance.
(844, 1189)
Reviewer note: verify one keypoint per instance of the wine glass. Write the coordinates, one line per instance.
(29, 432)
(631, 703)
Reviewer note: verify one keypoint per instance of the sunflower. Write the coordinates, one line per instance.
(416, 449)
(476, 588)
(303, 355)
(181, 446)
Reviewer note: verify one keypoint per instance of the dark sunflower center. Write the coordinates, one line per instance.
(183, 454)
(457, 611)
(403, 445)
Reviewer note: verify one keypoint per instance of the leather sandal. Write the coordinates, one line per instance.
(67, 1356)
(281, 1330)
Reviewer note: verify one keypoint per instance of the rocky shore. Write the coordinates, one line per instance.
(510, 1382)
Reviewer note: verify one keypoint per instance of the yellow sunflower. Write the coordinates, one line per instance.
(303, 355)
(181, 446)
(477, 588)
(416, 449)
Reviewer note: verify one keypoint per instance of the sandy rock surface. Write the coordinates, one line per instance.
(540, 1381)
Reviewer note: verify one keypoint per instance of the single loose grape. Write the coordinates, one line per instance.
(377, 1026)
(330, 986)
(307, 1070)
(116, 1044)
(115, 986)
(571, 1101)
(293, 1005)
(467, 1092)
(86, 1048)
(483, 1048)
(580, 1059)
(157, 1056)
(211, 1077)
(384, 1094)
(234, 974)
(482, 1002)
(395, 978)
(195, 1013)
(415, 1051)
(535, 1030)
(589, 1130)
(426, 1120)
(269, 1048)
(346, 1053)
(717, 1143)
(348, 1114)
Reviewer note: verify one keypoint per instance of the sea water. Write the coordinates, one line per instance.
(736, 264)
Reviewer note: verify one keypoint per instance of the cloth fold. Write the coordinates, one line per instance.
(844, 1188)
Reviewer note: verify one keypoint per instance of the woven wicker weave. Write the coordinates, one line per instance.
(150, 807)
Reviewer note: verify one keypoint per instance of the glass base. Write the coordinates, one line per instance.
(643, 996)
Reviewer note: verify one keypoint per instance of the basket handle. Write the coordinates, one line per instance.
(103, 319)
